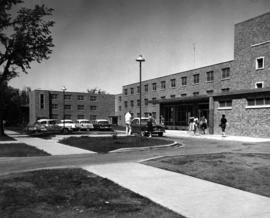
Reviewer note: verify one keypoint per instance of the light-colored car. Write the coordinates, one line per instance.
(84, 124)
(43, 126)
(67, 126)
(102, 124)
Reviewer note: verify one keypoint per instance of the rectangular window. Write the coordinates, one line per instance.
(138, 114)
(126, 104)
(259, 63)
(125, 91)
(173, 83)
(225, 90)
(93, 117)
(41, 101)
(145, 114)
(225, 73)
(163, 84)
(93, 107)
(259, 85)
(80, 116)
(80, 107)
(54, 96)
(184, 80)
(210, 76)
(67, 117)
(54, 106)
(163, 97)
(209, 92)
(120, 98)
(226, 104)
(67, 107)
(131, 91)
(55, 116)
(80, 97)
(131, 103)
(93, 98)
(154, 86)
(138, 102)
(258, 102)
(196, 78)
(195, 93)
(138, 89)
(120, 108)
(183, 95)
(146, 88)
(172, 96)
(67, 97)
(146, 101)
(154, 101)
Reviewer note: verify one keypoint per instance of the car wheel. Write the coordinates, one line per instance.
(160, 134)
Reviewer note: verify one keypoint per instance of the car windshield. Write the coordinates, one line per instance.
(144, 121)
(52, 122)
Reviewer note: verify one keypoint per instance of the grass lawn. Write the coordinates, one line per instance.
(71, 193)
(106, 144)
(20, 150)
(246, 171)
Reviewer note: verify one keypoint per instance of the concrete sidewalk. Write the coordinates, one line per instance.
(50, 146)
(188, 134)
(186, 195)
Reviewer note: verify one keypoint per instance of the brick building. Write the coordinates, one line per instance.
(72, 105)
(238, 88)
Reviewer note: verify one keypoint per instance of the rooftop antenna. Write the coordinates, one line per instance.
(194, 54)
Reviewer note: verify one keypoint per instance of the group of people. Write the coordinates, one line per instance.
(197, 124)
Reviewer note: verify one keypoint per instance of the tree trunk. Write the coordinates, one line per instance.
(2, 133)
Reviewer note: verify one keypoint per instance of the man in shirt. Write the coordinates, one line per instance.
(128, 123)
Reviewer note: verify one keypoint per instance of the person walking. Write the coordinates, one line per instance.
(150, 125)
(203, 124)
(128, 123)
(223, 124)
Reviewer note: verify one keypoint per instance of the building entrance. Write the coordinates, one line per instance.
(176, 115)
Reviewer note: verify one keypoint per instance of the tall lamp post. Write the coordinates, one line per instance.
(64, 90)
(140, 59)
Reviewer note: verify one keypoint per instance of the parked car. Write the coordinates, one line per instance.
(135, 127)
(67, 126)
(43, 126)
(102, 124)
(84, 124)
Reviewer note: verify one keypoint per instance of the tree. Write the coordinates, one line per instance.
(25, 37)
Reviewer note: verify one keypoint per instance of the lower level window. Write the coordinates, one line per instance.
(253, 102)
(225, 104)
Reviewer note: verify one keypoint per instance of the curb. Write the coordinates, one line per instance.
(146, 148)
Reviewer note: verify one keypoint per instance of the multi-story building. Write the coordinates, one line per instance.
(238, 88)
(71, 105)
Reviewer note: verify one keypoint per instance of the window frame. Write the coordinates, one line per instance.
(256, 63)
(196, 78)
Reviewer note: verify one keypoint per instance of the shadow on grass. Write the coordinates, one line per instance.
(71, 193)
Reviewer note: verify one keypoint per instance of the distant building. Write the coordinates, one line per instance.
(72, 105)
(238, 88)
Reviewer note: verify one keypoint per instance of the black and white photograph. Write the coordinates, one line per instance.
(135, 108)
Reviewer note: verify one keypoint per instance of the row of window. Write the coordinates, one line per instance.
(79, 97)
(251, 102)
(184, 79)
(79, 107)
(154, 114)
(69, 116)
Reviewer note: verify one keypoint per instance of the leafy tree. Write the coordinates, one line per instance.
(25, 37)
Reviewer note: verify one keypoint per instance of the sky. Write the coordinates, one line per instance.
(97, 41)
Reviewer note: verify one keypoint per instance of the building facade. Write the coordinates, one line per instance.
(71, 105)
(238, 88)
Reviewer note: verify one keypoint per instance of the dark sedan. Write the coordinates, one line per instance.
(102, 124)
(135, 127)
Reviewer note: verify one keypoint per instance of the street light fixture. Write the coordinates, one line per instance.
(64, 90)
(140, 59)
